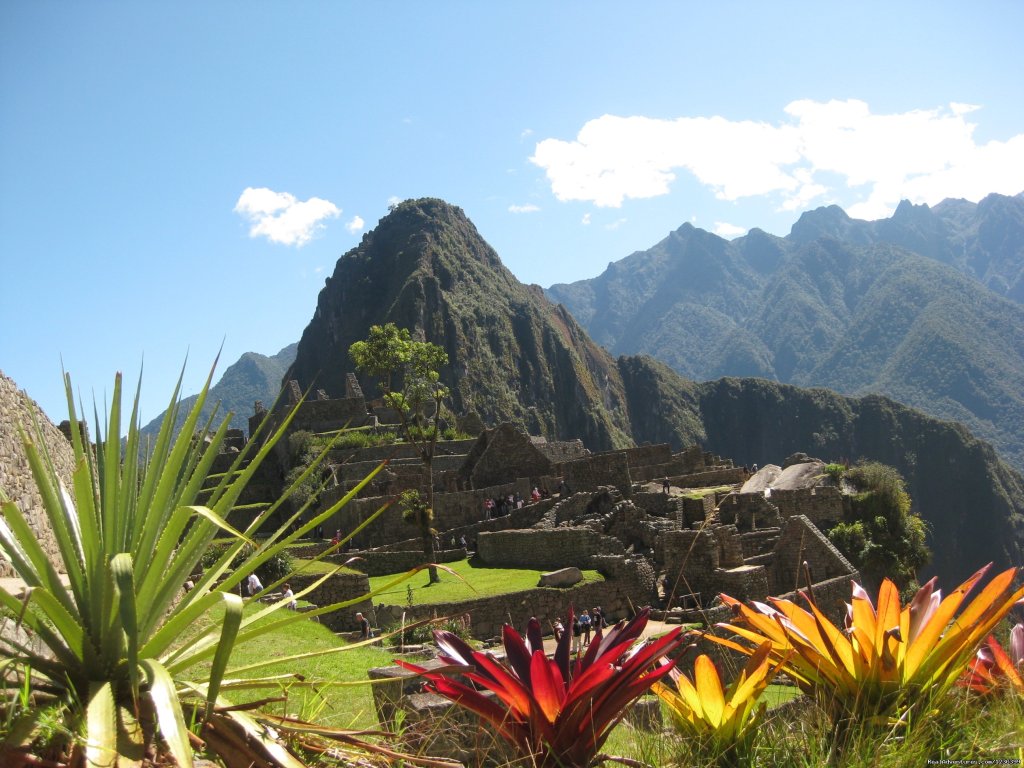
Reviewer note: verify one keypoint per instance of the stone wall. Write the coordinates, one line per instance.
(381, 562)
(627, 587)
(337, 589)
(646, 455)
(723, 476)
(823, 505)
(690, 558)
(503, 453)
(749, 511)
(799, 542)
(452, 511)
(545, 549)
(17, 409)
(600, 469)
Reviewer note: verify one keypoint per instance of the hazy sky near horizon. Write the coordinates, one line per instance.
(178, 175)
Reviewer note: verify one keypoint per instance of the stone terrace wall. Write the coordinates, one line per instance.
(545, 549)
(378, 453)
(16, 408)
(336, 589)
(601, 469)
(646, 455)
(823, 505)
(321, 415)
(379, 562)
(627, 588)
(452, 511)
(801, 541)
(723, 476)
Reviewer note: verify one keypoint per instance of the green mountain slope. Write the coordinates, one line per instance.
(252, 377)
(838, 303)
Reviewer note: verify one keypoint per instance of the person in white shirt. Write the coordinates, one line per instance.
(290, 596)
(253, 584)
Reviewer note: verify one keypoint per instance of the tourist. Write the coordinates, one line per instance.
(666, 487)
(535, 495)
(585, 624)
(290, 597)
(577, 631)
(364, 626)
(559, 629)
(253, 584)
(600, 622)
(462, 541)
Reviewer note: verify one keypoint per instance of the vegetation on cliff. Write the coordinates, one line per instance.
(882, 538)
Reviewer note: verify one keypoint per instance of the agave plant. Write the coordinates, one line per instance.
(119, 635)
(887, 658)
(992, 669)
(557, 711)
(722, 720)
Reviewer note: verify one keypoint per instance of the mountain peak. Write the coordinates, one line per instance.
(513, 356)
(827, 221)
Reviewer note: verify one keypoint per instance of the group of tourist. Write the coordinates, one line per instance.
(582, 625)
(502, 506)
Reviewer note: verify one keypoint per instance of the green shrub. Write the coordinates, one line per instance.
(882, 537)
(276, 567)
(835, 471)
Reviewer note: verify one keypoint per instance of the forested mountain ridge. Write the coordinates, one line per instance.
(838, 303)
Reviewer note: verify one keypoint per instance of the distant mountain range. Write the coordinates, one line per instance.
(252, 377)
(924, 307)
(756, 306)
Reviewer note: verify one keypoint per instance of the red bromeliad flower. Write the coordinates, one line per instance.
(559, 711)
(992, 669)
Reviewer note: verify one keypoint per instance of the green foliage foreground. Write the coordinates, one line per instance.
(122, 671)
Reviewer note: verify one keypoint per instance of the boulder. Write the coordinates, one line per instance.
(563, 577)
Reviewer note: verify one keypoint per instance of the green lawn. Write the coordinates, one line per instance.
(467, 583)
(349, 706)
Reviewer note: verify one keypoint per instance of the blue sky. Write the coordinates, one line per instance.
(177, 175)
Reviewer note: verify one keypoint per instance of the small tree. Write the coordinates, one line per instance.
(390, 353)
(416, 511)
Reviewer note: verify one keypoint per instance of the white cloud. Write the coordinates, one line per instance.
(355, 225)
(281, 218)
(585, 220)
(727, 230)
(615, 224)
(528, 208)
(817, 151)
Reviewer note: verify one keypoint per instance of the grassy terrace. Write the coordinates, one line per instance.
(468, 582)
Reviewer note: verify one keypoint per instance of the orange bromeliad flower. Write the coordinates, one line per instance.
(888, 656)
